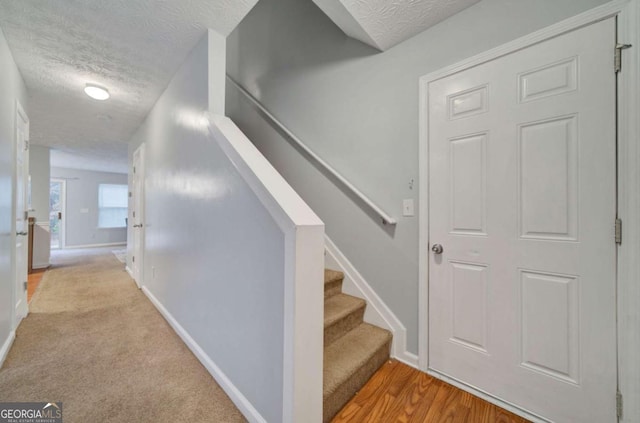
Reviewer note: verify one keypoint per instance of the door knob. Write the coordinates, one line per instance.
(437, 249)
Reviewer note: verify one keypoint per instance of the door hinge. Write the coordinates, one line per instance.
(133, 259)
(134, 214)
(26, 285)
(26, 145)
(618, 231)
(619, 404)
(617, 62)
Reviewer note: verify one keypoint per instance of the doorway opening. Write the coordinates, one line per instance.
(57, 195)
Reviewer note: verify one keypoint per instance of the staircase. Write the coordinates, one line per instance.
(353, 350)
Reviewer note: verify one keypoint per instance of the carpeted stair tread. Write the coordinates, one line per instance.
(341, 314)
(349, 363)
(332, 282)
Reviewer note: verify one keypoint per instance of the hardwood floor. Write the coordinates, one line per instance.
(34, 280)
(399, 393)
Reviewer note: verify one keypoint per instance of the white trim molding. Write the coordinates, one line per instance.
(131, 274)
(4, 351)
(78, 247)
(377, 312)
(628, 15)
(243, 404)
(629, 212)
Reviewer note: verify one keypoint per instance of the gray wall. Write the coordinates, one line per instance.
(11, 88)
(82, 193)
(39, 169)
(214, 257)
(358, 109)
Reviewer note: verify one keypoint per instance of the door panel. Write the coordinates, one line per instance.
(548, 179)
(522, 199)
(550, 317)
(138, 215)
(467, 164)
(469, 305)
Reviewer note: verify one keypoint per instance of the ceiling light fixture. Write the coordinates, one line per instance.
(96, 92)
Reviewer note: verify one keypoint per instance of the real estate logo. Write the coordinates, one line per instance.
(30, 412)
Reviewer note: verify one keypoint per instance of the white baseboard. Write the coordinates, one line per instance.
(76, 247)
(6, 347)
(377, 313)
(243, 404)
(40, 265)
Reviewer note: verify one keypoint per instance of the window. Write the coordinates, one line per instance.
(112, 206)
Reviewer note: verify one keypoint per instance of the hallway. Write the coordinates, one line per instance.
(93, 341)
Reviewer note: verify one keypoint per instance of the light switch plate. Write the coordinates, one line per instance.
(84, 210)
(407, 207)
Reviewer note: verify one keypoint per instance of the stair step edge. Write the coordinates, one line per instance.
(340, 307)
(340, 355)
(331, 276)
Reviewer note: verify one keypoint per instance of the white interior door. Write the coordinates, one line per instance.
(522, 200)
(137, 214)
(21, 208)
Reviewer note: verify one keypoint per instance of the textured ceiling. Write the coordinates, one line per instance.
(385, 23)
(132, 47)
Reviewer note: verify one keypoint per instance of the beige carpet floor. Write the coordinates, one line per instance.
(93, 341)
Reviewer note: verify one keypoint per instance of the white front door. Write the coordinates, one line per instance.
(137, 214)
(21, 207)
(523, 201)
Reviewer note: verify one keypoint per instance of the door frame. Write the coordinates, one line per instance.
(140, 171)
(63, 209)
(20, 114)
(628, 267)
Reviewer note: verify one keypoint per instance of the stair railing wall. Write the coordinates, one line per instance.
(303, 272)
(385, 217)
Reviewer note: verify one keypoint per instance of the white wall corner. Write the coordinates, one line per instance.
(377, 312)
(6, 346)
(304, 325)
(217, 45)
(41, 245)
(342, 17)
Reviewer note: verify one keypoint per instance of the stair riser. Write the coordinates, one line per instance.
(332, 288)
(338, 399)
(344, 325)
